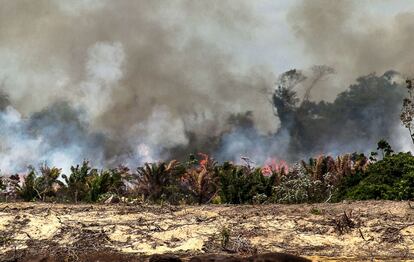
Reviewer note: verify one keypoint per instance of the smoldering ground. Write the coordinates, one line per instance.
(132, 81)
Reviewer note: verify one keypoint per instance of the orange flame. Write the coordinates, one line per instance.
(204, 160)
(272, 165)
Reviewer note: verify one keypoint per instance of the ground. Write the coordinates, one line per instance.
(354, 231)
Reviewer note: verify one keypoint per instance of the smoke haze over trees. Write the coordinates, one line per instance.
(135, 81)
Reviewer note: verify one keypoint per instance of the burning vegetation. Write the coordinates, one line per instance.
(201, 180)
(365, 112)
(142, 102)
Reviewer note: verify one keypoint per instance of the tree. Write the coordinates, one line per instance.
(201, 180)
(319, 72)
(284, 98)
(27, 190)
(108, 181)
(159, 181)
(47, 184)
(391, 178)
(4, 100)
(407, 112)
(385, 148)
(77, 183)
(359, 116)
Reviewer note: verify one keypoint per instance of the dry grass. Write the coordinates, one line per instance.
(338, 232)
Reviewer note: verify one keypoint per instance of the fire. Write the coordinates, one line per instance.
(272, 165)
(204, 160)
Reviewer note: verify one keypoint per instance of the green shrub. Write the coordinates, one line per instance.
(391, 178)
(346, 184)
(300, 187)
(79, 182)
(105, 182)
(27, 190)
(160, 181)
(242, 184)
(39, 186)
(315, 211)
(48, 183)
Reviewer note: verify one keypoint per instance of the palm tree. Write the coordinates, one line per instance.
(157, 180)
(202, 181)
(108, 181)
(47, 184)
(77, 182)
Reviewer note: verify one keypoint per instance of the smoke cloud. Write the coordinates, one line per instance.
(125, 82)
(141, 75)
(354, 37)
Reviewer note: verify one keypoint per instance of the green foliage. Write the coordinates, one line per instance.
(321, 179)
(47, 184)
(345, 185)
(160, 181)
(391, 178)
(79, 182)
(87, 184)
(385, 148)
(39, 187)
(240, 184)
(300, 187)
(315, 211)
(225, 237)
(216, 200)
(27, 190)
(108, 181)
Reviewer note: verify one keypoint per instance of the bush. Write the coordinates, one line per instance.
(300, 187)
(79, 182)
(346, 184)
(27, 190)
(160, 181)
(242, 184)
(322, 179)
(47, 184)
(201, 181)
(108, 181)
(391, 178)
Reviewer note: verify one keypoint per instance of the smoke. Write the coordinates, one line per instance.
(54, 136)
(125, 82)
(354, 37)
(103, 71)
(141, 75)
(358, 38)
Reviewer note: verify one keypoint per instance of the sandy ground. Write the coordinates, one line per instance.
(358, 231)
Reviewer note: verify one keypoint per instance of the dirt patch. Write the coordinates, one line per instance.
(355, 231)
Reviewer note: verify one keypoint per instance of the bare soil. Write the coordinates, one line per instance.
(357, 231)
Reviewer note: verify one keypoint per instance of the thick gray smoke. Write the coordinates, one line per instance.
(143, 73)
(124, 82)
(355, 37)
